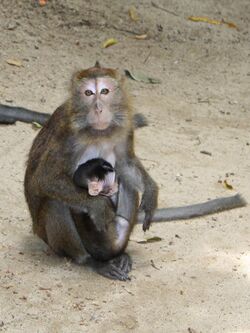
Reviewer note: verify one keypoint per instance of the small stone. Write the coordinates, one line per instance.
(11, 25)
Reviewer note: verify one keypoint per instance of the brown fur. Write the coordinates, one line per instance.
(70, 221)
(64, 215)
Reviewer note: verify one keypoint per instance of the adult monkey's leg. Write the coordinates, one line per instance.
(107, 246)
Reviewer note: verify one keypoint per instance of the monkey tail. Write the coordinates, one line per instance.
(200, 209)
(11, 114)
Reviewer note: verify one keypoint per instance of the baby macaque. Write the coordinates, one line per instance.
(98, 176)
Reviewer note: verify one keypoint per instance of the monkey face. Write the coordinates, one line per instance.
(99, 100)
(98, 96)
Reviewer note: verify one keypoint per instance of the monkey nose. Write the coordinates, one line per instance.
(98, 107)
(98, 110)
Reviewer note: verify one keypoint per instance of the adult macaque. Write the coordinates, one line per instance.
(96, 122)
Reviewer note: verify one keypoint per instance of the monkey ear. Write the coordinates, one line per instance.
(97, 64)
(120, 75)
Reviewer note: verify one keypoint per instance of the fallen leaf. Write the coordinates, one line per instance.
(45, 289)
(204, 19)
(109, 42)
(212, 21)
(141, 77)
(228, 186)
(42, 2)
(141, 37)
(36, 125)
(230, 24)
(153, 265)
(133, 14)
(205, 152)
(14, 62)
(150, 240)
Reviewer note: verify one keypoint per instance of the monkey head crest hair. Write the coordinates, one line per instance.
(96, 71)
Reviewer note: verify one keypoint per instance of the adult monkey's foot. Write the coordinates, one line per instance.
(115, 269)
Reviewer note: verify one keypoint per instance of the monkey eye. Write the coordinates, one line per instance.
(104, 91)
(88, 92)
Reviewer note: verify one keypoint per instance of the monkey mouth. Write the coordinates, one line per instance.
(100, 125)
(101, 131)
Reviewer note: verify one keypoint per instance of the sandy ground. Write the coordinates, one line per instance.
(197, 278)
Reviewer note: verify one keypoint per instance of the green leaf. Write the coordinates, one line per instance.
(36, 125)
(137, 76)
